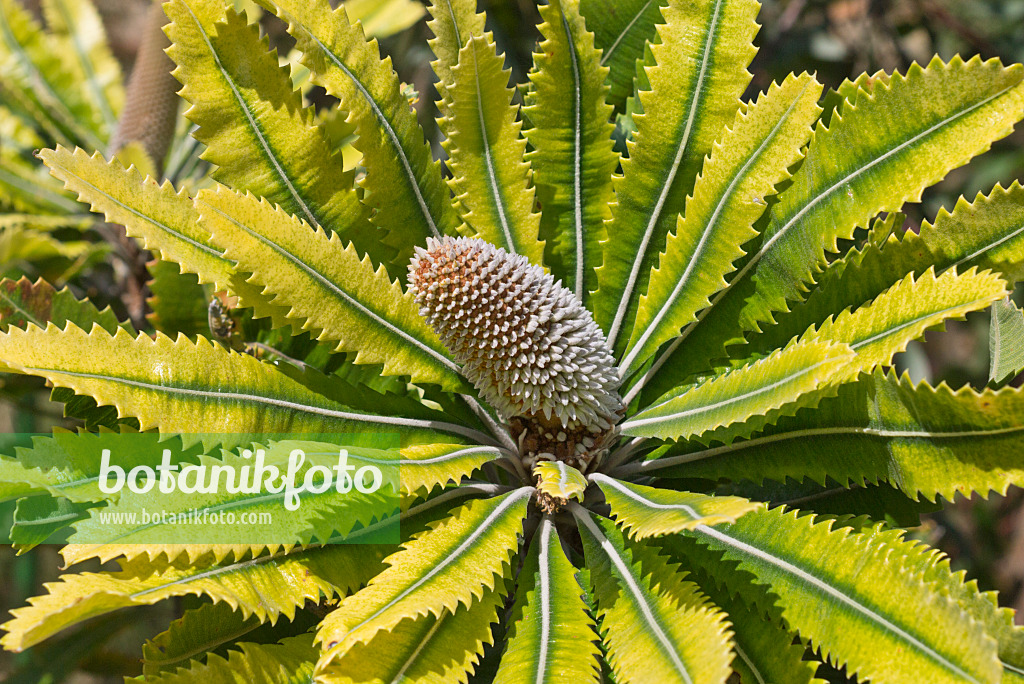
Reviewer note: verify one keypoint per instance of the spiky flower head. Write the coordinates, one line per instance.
(524, 341)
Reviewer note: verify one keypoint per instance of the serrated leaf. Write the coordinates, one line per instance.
(37, 518)
(987, 233)
(1005, 341)
(268, 587)
(402, 182)
(321, 516)
(560, 481)
(327, 288)
(162, 218)
(78, 29)
(621, 31)
(751, 158)
(491, 179)
(552, 636)
(656, 627)
(652, 512)
(882, 152)
(453, 23)
(288, 662)
(424, 467)
(686, 107)
(925, 441)
(23, 302)
(196, 633)
(572, 157)
(425, 650)
(452, 564)
(253, 124)
(177, 385)
(848, 593)
(752, 390)
(877, 331)
(43, 79)
(177, 302)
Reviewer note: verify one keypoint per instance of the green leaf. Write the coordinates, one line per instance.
(78, 29)
(254, 125)
(288, 662)
(572, 157)
(196, 633)
(164, 219)
(988, 233)
(37, 518)
(652, 512)
(885, 149)
(552, 636)
(925, 441)
(765, 649)
(744, 167)
(322, 516)
(178, 303)
(765, 385)
(327, 287)
(696, 76)
(424, 467)
(384, 18)
(656, 627)
(23, 302)
(426, 649)
(621, 31)
(848, 594)
(42, 79)
(1006, 341)
(560, 481)
(879, 330)
(453, 23)
(268, 587)
(491, 179)
(402, 182)
(454, 563)
(177, 385)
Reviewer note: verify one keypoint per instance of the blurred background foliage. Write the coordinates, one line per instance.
(48, 235)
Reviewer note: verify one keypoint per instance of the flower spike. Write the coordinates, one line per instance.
(523, 340)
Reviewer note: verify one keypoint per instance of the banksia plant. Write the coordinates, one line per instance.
(637, 357)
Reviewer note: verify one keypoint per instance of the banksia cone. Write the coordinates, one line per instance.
(523, 340)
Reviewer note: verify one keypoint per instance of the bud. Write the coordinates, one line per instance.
(524, 341)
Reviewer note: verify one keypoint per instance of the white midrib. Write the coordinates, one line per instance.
(400, 675)
(253, 125)
(746, 660)
(789, 224)
(148, 219)
(544, 589)
(661, 463)
(577, 168)
(482, 528)
(626, 574)
(494, 451)
(627, 293)
(388, 128)
(492, 178)
(346, 297)
(618, 486)
(698, 251)
(268, 401)
(632, 22)
(806, 578)
(726, 402)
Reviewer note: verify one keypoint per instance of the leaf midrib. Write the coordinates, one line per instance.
(806, 578)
